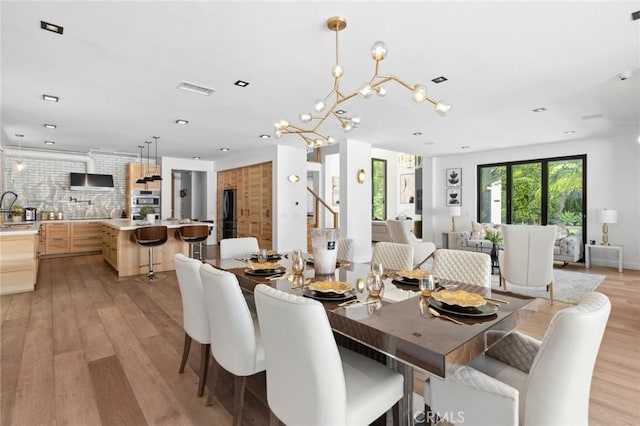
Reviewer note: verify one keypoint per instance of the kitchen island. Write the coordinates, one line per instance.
(128, 258)
(18, 257)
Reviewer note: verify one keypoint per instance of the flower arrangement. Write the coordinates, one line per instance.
(494, 236)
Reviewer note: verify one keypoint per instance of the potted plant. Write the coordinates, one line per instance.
(17, 211)
(148, 213)
(495, 237)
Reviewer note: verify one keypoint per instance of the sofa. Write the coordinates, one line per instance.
(567, 248)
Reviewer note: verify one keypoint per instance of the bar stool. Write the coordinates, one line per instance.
(194, 235)
(150, 236)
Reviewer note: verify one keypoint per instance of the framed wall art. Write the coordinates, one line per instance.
(454, 197)
(454, 177)
(407, 188)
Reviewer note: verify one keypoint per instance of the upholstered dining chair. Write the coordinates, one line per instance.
(393, 256)
(522, 381)
(527, 257)
(310, 380)
(468, 267)
(400, 231)
(345, 249)
(194, 314)
(235, 337)
(242, 247)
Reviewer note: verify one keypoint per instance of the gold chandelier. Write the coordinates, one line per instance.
(312, 136)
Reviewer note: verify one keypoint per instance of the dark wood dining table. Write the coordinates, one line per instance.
(398, 324)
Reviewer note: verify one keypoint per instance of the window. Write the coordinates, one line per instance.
(378, 189)
(534, 192)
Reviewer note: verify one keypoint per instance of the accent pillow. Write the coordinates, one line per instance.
(478, 231)
(561, 232)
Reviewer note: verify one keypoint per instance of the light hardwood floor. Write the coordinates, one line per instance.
(87, 348)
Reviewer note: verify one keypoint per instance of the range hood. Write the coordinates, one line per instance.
(91, 182)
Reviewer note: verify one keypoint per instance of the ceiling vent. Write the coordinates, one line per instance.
(592, 116)
(200, 90)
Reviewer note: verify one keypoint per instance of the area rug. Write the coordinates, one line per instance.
(568, 286)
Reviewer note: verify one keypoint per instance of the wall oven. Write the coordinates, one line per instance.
(143, 198)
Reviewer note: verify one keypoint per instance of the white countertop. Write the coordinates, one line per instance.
(27, 228)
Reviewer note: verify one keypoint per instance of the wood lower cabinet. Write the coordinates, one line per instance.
(86, 237)
(253, 186)
(57, 239)
(64, 238)
(18, 263)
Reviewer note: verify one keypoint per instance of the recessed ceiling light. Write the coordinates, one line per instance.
(341, 111)
(225, 149)
(50, 126)
(465, 147)
(569, 132)
(241, 83)
(194, 88)
(50, 98)
(182, 122)
(439, 79)
(51, 27)
(19, 135)
(49, 142)
(265, 136)
(196, 157)
(417, 133)
(542, 109)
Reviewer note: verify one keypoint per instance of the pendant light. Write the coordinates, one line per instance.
(141, 178)
(155, 163)
(148, 177)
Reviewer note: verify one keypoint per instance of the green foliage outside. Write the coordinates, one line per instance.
(378, 189)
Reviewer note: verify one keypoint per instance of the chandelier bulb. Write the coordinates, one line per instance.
(305, 117)
(365, 91)
(381, 91)
(318, 105)
(331, 140)
(277, 133)
(347, 126)
(442, 108)
(379, 50)
(337, 71)
(355, 120)
(419, 93)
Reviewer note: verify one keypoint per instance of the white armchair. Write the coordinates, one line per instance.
(521, 381)
(400, 231)
(527, 258)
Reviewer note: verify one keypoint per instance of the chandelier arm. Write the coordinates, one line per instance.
(385, 78)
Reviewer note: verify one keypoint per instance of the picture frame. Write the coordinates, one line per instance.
(454, 197)
(335, 190)
(407, 188)
(453, 177)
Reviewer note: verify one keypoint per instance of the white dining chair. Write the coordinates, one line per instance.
(522, 381)
(527, 257)
(400, 231)
(194, 314)
(467, 267)
(345, 249)
(310, 380)
(235, 336)
(393, 256)
(243, 247)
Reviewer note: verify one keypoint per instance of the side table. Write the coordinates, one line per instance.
(587, 254)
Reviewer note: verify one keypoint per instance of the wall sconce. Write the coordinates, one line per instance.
(361, 176)
(294, 178)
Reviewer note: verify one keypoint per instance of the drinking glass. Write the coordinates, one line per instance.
(298, 262)
(374, 284)
(263, 256)
(426, 284)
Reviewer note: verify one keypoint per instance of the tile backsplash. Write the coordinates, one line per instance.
(44, 184)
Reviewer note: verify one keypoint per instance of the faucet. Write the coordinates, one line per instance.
(7, 210)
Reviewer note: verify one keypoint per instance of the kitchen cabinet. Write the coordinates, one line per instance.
(133, 174)
(253, 201)
(86, 237)
(64, 238)
(18, 263)
(57, 239)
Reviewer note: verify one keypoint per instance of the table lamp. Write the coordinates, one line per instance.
(454, 211)
(606, 217)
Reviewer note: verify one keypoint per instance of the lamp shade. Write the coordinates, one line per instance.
(455, 211)
(608, 216)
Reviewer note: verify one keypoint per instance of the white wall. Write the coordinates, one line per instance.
(613, 179)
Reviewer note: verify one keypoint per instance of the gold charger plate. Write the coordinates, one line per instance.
(337, 287)
(459, 298)
(262, 266)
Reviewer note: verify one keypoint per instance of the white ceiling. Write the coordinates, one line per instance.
(117, 66)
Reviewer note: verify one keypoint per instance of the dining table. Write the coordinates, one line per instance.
(399, 323)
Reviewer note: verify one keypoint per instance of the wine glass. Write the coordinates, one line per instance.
(297, 262)
(378, 269)
(374, 284)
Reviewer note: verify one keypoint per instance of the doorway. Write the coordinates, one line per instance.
(189, 195)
